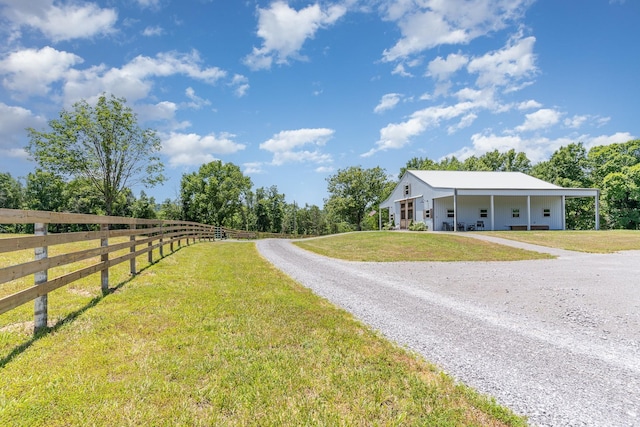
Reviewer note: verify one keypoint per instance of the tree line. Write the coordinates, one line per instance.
(92, 155)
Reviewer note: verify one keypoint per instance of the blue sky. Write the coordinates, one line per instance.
(292, 91)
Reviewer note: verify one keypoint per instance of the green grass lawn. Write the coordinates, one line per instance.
(214, 335)
(584, 241)
(395, 246)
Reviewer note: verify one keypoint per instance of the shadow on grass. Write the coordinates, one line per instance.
(71, 316)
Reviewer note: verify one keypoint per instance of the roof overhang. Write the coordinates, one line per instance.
(567, 192)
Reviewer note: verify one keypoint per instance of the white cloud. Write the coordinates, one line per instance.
(286, 146)
(529, 105)
(253, 168)
(537, 149)
(152, 4)
(387, 102)
(32, 71)
(400, 70)
(153, 31)
(465, 122)
(13, 122)
(284, 31)
(541, 119)
(196, 102)
(60, 22)
(442, 69)
(397, 135)
(162, 111)
(427, 24)
(324, 169)
(240, 84)
(134, 79)
(616, 138)
(576, 121)
(506, 66)
(192, 149)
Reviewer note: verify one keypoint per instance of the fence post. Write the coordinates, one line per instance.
(150, 253)
(104, 274)
(162, 240)
(132, 261)
(40, 309)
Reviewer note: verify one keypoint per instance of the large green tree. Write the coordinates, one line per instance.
(101, 144)
(354, 192)
(509, 161)
(568, 167)
(214, 195)
(11, 192)
(615, 169)
(45, 191)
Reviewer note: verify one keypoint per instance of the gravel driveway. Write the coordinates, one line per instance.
(555, 340)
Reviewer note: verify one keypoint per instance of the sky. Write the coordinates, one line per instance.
(293, 91)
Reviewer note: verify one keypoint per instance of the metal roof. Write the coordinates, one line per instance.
(482, 180)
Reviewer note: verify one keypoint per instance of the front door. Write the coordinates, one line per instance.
(406, 214)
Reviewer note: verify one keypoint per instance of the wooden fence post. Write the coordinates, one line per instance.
(150, 253)
(40, 310)
(104, 274)
(161, 240)
(132, 261)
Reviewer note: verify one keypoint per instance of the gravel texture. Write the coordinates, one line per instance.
(555, 340)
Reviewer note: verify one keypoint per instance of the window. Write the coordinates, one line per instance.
(483, 213)
(449, 213)
(427, 213)
(515, 213)
(546, 212)
(407, 190)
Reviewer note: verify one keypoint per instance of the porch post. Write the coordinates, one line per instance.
(528, 212)
(564, 213)
(597, 209)
(379, 218)
(455, 210)
(493, 228)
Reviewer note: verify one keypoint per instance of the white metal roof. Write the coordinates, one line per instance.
(482, 180)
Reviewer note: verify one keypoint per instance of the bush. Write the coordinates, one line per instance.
(418, 226)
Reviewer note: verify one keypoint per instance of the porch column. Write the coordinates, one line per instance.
(455, 210)
(564, 213)
(598, 210)
(528, 212)
(493, 228)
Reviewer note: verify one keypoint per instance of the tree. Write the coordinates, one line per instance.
(214, 194)
(169, 209)
(355, 191)
(45, 192)
(101, 144)
(144, 207)
(11, 192)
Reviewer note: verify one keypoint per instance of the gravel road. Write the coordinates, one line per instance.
(555, 340)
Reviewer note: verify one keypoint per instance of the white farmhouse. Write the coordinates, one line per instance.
(478, 200)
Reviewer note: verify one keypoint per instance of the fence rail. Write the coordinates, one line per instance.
(145, 236)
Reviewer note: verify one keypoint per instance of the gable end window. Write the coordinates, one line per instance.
(407, 189)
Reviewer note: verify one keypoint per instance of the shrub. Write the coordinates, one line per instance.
(418, 226)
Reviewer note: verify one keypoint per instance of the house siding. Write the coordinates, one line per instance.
(469, 205)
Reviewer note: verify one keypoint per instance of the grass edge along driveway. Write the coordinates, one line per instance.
(214, 335)
(389, 246)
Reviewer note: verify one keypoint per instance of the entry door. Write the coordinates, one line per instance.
(406, 214)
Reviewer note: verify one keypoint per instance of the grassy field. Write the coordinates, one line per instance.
(393, 246)
(214, 335)
(584, 241)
